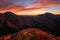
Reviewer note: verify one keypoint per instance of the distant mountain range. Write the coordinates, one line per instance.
(12, 23)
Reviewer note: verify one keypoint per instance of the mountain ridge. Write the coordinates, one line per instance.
(10, 21)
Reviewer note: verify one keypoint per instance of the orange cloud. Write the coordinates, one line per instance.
(37, 7)
(10, 6)
(11, 9)
(1, 2)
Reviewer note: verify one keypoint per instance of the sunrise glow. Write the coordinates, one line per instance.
(30, 7)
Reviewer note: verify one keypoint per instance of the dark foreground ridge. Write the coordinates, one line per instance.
(11, 23)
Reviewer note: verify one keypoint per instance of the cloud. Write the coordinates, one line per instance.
(23, 5)
(39, 4)
(9, 5)
(45, 2)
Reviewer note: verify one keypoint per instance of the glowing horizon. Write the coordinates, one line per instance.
(55, 10)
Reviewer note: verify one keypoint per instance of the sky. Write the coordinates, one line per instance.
(30, 7)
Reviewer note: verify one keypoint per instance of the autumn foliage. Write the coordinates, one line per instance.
(30, 34)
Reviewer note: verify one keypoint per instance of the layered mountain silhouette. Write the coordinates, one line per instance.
(11, 23)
